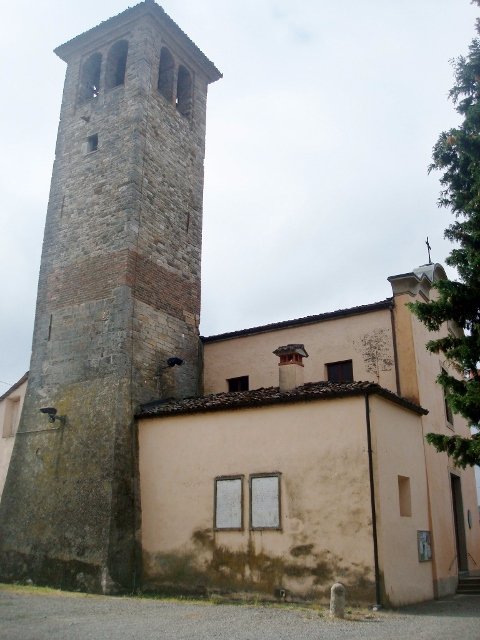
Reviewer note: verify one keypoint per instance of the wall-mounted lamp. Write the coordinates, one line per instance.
(173, 361)
(51, 412)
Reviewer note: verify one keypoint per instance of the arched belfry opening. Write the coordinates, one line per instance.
(116, 64)
(90, 78)
(166, 74)
(184, 92)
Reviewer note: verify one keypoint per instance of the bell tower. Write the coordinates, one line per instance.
(118, 298)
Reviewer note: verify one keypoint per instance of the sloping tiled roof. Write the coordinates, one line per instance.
(15, 386)
(147, 6)
(330, 315)
(271, 395)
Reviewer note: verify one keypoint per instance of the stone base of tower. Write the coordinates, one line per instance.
(68, 510)
(40, 568)
(69, 575)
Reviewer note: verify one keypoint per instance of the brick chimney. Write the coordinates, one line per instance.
(291, 366)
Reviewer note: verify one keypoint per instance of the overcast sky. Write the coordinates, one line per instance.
(318, 142)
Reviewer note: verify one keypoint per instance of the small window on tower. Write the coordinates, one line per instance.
(184, 92)
(238, 384)
(116, 64)
(165, 74)
(340, 371)
(90, 78)
(92, 143)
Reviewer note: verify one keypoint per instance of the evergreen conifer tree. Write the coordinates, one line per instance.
(457, 155)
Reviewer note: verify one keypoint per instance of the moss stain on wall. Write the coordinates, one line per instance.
(305, 574)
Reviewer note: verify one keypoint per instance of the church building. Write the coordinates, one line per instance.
(270, 461)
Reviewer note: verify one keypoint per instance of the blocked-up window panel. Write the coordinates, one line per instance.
(166, 74)
(184, 92)
(404, 496)
(90, 78)
(265, 501)
(116, 64)
(340, 371)
(229, 502)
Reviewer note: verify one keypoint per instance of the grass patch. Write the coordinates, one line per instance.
(40, 591)
(310, 609)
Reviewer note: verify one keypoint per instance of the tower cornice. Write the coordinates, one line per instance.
(93, 37)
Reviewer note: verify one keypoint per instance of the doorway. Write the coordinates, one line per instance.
(459, 523)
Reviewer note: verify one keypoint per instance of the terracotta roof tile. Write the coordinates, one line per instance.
(271, 395)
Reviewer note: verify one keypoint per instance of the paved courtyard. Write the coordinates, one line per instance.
(35, 616)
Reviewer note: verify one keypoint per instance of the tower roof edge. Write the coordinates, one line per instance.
(148, 7)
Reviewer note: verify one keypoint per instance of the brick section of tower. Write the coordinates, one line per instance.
(94, 278)
(118, 294)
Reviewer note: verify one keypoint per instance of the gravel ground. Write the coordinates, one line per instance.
(36, 616)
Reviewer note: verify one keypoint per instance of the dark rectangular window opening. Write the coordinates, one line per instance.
(340, 371)
(228, 507)
(459, 523)
(238, 384)
(265, 501)
(448, 408)
(92, 143)
(448, 412)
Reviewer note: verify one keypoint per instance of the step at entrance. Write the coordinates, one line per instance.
(469, 585)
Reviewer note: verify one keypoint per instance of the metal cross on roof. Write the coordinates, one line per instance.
(429, 249)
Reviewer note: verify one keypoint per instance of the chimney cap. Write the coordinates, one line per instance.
(290, 349)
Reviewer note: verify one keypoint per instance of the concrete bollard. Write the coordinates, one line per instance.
(337, 600)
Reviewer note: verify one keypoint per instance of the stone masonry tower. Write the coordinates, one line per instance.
(118, 297)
